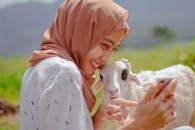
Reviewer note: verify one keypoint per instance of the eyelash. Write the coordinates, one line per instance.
(115, 49)
(107, 46)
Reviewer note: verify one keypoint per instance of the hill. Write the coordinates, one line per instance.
(22, 25)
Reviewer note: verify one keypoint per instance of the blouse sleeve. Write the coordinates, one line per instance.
(63, 103)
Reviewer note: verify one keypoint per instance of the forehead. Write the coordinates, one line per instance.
(115, 37)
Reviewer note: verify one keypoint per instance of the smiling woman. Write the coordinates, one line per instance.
(56, 89)
(100, 54)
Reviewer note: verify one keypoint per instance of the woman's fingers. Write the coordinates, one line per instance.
(156, 88)
(120, 115)
(151, 93)
(115, 116)
(164, 106)
(166, 91)
(124, 103)
(111, 108)
(156, 111)
(118, 109)
(168, 110)
(169, 102)
(112, 111)
(170, 115)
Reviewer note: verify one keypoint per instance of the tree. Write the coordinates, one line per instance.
(163, 33)
(189, 60)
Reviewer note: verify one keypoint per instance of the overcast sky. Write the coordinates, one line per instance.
(5, 3)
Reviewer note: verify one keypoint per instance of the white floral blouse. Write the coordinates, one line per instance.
(52, 98)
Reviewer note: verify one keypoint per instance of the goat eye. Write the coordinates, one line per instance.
(124, 74)
(101, 77)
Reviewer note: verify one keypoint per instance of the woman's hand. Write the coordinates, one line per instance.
(118, 109)
(153, 113)
(104, 113)
(114, 110)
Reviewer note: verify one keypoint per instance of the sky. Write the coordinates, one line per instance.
(5, 3)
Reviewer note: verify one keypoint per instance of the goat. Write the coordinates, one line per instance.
(120, 81)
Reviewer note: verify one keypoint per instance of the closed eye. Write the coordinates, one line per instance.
(105, 46)
(109, 45)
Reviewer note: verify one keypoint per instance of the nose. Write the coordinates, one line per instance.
(114, 92)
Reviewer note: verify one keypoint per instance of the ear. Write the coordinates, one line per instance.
(126, 62)
(134, 78)
(129, 65)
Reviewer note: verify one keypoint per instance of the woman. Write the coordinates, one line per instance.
(56, 90)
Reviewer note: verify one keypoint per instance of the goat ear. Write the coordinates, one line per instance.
(129, 65)
(126, 62)
(97, 85)
(134, 78)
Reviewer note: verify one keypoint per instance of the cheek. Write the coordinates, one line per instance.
(95, 53)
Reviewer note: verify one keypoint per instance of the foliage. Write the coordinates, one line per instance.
(11, 71)
(162, 33)
(156, 58)
(190, 60)
(8, 126)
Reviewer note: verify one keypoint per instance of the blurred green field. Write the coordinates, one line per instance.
(12, 69)
(158, 57)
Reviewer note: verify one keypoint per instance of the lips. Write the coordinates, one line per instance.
(94, 65)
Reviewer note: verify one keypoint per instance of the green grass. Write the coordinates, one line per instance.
(8, 126)
(12, 69)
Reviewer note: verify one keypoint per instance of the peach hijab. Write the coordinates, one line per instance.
(78, 26)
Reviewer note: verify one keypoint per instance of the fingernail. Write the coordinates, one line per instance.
(170, 95)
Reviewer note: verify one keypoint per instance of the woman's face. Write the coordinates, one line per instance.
(101, 53)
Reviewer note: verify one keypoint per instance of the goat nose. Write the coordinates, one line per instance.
(113, 92)
(116, 90)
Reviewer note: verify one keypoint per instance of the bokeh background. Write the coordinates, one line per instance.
(162, 34)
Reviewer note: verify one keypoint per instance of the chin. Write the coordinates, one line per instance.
(91, 73)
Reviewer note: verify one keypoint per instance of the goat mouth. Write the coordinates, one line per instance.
(113, 97)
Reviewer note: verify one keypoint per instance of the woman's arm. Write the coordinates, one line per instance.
(98, 121)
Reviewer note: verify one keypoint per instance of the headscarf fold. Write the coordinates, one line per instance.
(80, 25)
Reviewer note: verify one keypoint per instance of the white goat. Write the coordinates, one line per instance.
(118, 80)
